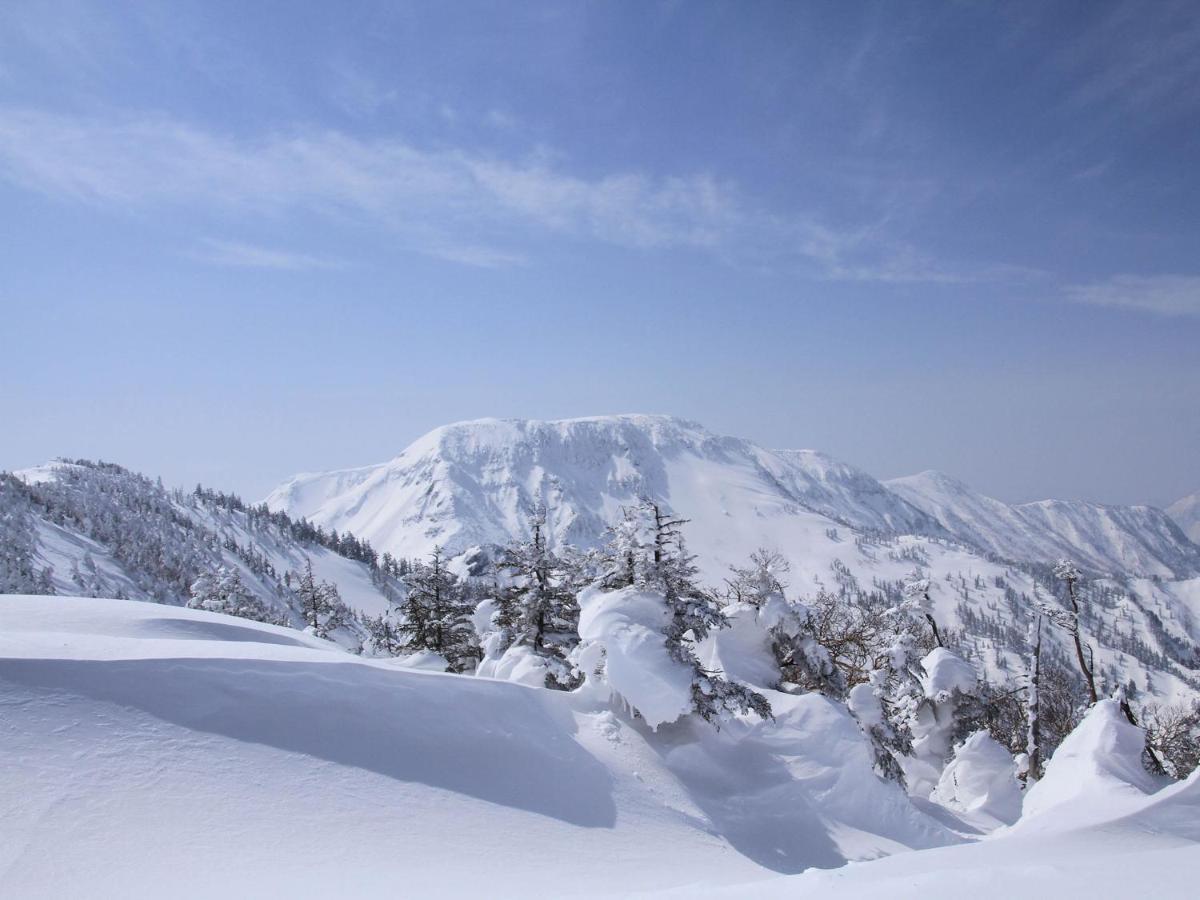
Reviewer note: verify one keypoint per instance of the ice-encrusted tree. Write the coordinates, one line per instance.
(384, 634)
(539, 607)
(223, 591)
(647, 550)
(916, 588)
(802, 660)
(1033, 701)
(1068, 573)
(437, 614)
(760, 580)
(319, 603)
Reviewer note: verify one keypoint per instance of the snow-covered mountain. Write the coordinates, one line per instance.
(475, 483)
(1186, 513)
(1113, 539)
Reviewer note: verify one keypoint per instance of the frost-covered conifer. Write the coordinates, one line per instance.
(320, 604)
(223, 592)
(647, 549)
(384, 635)
(801, 659)
(437, 614)
(539, 608)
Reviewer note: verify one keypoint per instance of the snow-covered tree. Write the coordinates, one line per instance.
(539, 608)
(319, 603)
(802, 661)
(647, 550)
(384, 634)
(761, 580)
(437, 614)
(1067, 572)
(223, 591)
(916, 588)
(1033, 699)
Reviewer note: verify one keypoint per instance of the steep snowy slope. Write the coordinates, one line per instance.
(157, 751)
(1131, 539)
(474, 483)
(1186, 513)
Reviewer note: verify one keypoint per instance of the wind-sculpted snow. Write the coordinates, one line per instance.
(156, 751)
(1097, 826)
(1107, 539)
(1097, 767)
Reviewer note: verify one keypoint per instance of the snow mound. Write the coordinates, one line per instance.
(945, 673)
(623, 631)
(981, 779)
(1095, 769)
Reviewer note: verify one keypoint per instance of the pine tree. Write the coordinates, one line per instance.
(539, 608)
(384, 635)
(320, 604)
(437, 614)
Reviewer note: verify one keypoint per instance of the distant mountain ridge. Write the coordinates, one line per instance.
(1111, 539)
(473, 483)
(1186, 514)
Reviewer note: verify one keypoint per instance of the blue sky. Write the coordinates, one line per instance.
(242, 240)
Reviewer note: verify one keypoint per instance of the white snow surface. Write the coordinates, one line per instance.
(981, 780)
(1096, 768)
(148, 750)
(945, 672)
(157, 751)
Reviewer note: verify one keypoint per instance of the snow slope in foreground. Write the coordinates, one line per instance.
(148, 750)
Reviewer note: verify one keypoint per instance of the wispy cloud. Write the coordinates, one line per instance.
(454, 204)
(1167, 295)
(251, 256)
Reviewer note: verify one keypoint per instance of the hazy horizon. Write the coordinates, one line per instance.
(244, 242)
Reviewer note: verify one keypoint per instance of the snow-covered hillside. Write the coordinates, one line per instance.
(1113, 539)
(157, 751)
(1186, 513)
(96, 528)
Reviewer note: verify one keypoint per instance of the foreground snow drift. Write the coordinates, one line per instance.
(149, 750)
(1091, 829)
